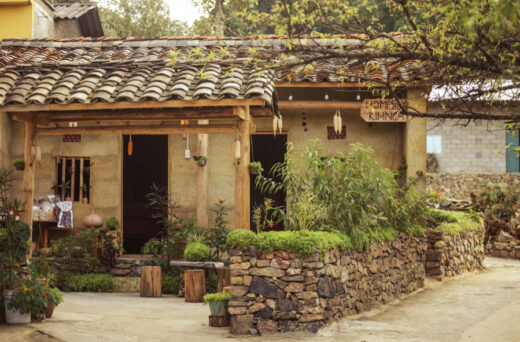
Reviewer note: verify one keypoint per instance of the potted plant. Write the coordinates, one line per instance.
(54, 297)
(26, 299)
(217, 303)
(19, 164)
(201, 160)
(255, 168)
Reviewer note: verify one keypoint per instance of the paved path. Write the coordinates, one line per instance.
(476, 307)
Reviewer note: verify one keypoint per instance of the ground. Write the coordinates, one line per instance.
(482, 306)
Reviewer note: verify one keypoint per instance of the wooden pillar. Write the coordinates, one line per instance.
(415, 136)
(242, 180)
(28, 172)
(202, 179)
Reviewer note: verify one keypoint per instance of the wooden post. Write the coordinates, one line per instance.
(28, 173)
(202, 180)
(194, 286)
(150, 281)
(224, 278)
(242, 180)
(415, 137)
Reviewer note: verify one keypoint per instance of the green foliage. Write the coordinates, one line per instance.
(303, 243)
(90, 282)
(112, 224)
(213, 283)
(256, 165)
(216, 238)
(110, 247)
(196, 251)
(216, 297)
(29, 296)
(148, 18)
(170, 284)
(18, 163)
(454, 222)
(53, 294)
(498, 203)
(158, 249)
(267, 215)
(79, 245)
(349, 193)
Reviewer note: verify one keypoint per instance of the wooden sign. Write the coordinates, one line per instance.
(382, 110)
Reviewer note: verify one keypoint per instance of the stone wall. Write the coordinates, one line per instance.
(449, 255)
(459, 186)
(76, 265)
(505, 246)
(280, 292)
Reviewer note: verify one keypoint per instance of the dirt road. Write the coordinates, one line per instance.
(477, 307)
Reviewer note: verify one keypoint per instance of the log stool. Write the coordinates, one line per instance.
(218, 321)
(224, 278)
(194, 286)
(150, 281)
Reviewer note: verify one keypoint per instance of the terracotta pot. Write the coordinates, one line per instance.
(49, 310)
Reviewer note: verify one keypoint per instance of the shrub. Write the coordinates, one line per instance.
(196, 251)
(216, 297)
(170, 284)
(90, 282)
(454, 222)
(349, 193)
(301, 243)
(213, 283)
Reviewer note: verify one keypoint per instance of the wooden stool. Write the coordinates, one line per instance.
(218, 321)
(150, 281)
(224, 278)
(194, 286)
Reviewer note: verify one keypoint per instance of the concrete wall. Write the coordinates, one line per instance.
(43, 25)
(67, 29)
(478, 147)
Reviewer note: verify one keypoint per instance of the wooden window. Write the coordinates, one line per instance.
(73, 178)
(512, 159)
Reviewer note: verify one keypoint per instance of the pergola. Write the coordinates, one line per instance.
(228, 116)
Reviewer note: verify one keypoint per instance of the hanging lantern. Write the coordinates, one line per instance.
(335, 119)
(340, 123)
(237, 150)
(130, 146)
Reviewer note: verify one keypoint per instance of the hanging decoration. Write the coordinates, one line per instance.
(338, 122)
(130, 143)
(277, 124)
(237, 150)
(304, 122)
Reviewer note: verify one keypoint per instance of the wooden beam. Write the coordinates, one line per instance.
(28, 175)
(320, 85)
(141, 129)
(127, 105)
(242, 177)
(202, 179)
(319, 105)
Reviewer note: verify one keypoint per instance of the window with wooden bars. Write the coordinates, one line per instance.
(73, 178)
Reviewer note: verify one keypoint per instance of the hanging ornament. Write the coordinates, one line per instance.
(280, 124)
(130, 146)
(275, 124)
(340, 123)
(336, 121)
(237, 149)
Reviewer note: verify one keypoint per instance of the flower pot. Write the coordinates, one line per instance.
(20, 167)
(13, 316)
(253, 170)
(49, 310)
(218, 308)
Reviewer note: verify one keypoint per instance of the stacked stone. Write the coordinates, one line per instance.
(129, 267)
(460, 185)
(505, 246)
(75, 265)
(278, 292)
(449, 255)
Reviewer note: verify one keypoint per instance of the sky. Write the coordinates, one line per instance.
(183, 10)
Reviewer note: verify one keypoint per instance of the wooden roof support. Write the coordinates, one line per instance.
(320, 85)
(133, 105)
(319, 105)
(242, 176)
(202, 179)
(28, 174)
(141, 129)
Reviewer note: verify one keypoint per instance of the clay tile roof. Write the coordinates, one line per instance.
(88, 70)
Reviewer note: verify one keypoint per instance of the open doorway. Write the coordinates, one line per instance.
(148, 164)
(268, 150)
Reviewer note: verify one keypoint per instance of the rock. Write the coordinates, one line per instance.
(266, 326)
(240, 324)
(307, 295)
(500, 245)
(266, 312)
(294, 287)
(314, 264)
(281, 264)
(262, 263)
(293, 271)
(237, 280)
(332, 271)
(285, 305)
(262, 287)
(505, 237)
(235, 259)
(325, 288)
(439, 244)
(237, 291)
(237, 310)
(278, 315)
(267, 272)
(281, 255)
(256, 307)
(233, 303)
(307, 317)
(247, 280)
(271, 303)
(240, 266)
(293, 278)
(120, 272)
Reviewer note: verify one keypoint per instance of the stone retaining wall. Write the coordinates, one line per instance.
(460, 185)
(280, 292)
(129, 267)
(449, 255)
(76, 265)
(505, 246)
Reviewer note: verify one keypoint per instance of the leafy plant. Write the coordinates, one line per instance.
(79, 245)
(28, 297)
(196, 252)
(256, 165)
(216, 297)
(170, 284)
(216, 237)
(18, 163)
(267, 215)
(109, 246)
(90, 282)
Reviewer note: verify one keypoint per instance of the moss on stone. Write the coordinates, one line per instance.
(455, 222)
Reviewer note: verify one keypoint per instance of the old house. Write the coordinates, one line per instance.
(72, 107)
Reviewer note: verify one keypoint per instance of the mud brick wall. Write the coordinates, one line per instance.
(449, 255)
(280, 292)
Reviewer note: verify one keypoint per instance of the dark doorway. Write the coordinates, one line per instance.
(148, 164)
(268, 150)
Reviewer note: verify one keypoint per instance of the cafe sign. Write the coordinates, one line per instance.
(382, 110)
